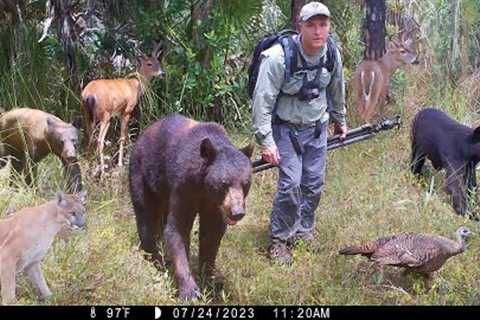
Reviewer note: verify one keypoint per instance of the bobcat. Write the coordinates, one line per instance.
(26, 236)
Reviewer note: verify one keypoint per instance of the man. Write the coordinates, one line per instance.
(290, 119)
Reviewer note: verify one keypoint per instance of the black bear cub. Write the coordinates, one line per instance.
(180, 168)
(451, 146)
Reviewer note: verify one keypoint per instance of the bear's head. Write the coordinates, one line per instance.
(228, 178)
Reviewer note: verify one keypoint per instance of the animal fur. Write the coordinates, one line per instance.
(26, 236)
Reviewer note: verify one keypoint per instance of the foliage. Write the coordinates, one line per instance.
(437, 21)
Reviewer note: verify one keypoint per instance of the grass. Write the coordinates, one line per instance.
(369, 193)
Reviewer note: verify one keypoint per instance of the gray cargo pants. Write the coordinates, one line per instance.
(301, 180)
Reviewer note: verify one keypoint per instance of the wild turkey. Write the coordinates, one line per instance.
(415, 252)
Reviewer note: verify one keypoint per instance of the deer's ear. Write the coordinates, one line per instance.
(476, 135)
(157, 51)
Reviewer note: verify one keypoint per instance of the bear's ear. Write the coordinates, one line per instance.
(476, 135)
(248, 150)
(207, 150)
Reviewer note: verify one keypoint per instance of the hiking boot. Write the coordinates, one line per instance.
(279, 251)
(307, 237)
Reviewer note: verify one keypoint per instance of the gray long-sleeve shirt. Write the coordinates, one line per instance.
(272, 89)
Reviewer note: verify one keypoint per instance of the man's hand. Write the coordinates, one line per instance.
(341, 130)
(271, 155)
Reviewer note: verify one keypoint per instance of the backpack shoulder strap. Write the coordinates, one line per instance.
(331, 54)
(290, 54)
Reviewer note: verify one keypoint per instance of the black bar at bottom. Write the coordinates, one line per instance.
(238, 312)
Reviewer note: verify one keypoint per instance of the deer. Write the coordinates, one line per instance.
(371, 80)
(103, 99)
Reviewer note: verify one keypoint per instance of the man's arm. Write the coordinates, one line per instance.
(269, 82)
(337, 91)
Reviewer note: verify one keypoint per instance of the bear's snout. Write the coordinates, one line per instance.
(233, 206)
(237, 213)
(70, 158)
(69, 153)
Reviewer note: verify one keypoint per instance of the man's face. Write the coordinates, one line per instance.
(315, 31)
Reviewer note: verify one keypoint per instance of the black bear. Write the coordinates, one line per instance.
(451, 146)
(180, 168)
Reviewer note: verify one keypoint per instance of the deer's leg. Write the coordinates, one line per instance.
(87, 133)
(123, 136)
(370, 109)
(360, 108)
(361, 103)
(88, 125)
(101, 141)
(89, 138)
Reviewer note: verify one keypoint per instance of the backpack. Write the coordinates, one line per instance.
(290, 49)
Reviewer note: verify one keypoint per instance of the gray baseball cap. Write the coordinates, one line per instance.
(313, 9)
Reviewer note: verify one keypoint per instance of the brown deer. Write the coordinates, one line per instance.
(104, 98)
(371, 80)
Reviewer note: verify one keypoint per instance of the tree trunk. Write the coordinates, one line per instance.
(454, 37)
(296, 6)
(115, 10)
(90, 13)
(374, 29)
(201, 11)
(66, 35)
(14, 10)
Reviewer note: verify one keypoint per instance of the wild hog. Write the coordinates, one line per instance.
(449, 145)
(30, 133)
